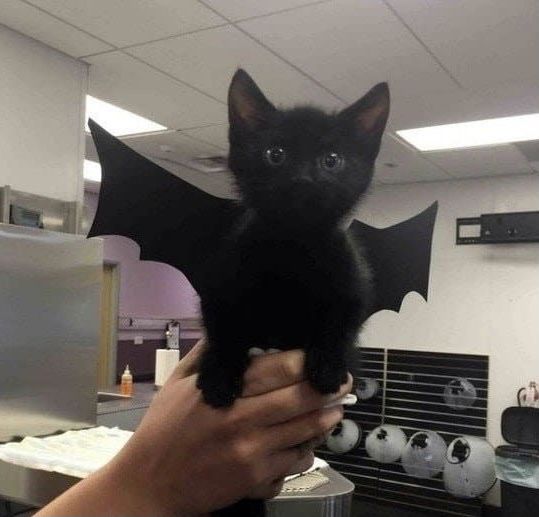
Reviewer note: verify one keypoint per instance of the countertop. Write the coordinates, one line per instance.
(38, 487)
(30, 486)
(143, 394)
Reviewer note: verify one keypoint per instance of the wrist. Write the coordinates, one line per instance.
(136, 490)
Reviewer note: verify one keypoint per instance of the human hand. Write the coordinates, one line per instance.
(188, 458)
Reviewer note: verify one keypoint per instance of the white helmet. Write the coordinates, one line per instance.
(345, 436)
(424, 454)
(385, 443)
(367, 388)
(469, 467)
(460, 393)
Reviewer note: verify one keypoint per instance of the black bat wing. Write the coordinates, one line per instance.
(171, 220)
(399, 257)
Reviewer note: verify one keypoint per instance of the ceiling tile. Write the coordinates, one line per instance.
(127, 22)
(240, 9)
(464, 105)
(350, 45)
(173, 146)
(132, 85)
(484, 161)
(183, 149)
(483, 42)
(41, 26)
(410, 167)
(216, 135)
(208, 59)
(530, 150)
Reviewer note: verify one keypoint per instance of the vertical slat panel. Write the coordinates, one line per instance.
(413, 399)
(356, 465)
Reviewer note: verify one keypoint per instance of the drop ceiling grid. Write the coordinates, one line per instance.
(44, 27)
(44, 22)
(411, 167)
(126, 82)
(349, 61)
(83, 29)
(497, 160)
(207, 60)
(146, 20)
(170, 143)
(217, 7)
(215, 134)
(237, 10)
(166, 56)
(483, 42)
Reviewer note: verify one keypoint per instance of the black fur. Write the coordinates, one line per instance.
(288, 277)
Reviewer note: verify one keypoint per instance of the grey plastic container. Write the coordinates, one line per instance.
(517, 465)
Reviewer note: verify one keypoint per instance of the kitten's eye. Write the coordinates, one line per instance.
(331, 162)
(275, 156)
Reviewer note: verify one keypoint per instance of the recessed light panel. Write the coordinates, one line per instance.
(117, 121)
(474, 134)
(92, 171)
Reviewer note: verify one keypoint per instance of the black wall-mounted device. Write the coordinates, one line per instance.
(498, 228)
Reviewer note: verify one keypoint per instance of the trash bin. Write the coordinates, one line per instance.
(517, 465)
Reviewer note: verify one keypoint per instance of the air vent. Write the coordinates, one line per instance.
(210, 164)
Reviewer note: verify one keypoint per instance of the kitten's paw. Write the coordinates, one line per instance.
(218, 389)
(325, 376)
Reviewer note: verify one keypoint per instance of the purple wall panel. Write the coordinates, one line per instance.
(141, 358)
(147, 289)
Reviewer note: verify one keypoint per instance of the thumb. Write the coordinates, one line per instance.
(189, 364)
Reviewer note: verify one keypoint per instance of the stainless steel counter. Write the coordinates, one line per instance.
(38, 487)
(143, 394)
(126, 413)
(31, 486)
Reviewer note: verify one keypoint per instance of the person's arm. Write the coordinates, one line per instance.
(188, 459)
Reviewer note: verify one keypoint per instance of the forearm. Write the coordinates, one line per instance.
(108, 492)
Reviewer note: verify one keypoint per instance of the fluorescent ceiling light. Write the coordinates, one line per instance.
(473, 134)
(118, 121)
(92, 171)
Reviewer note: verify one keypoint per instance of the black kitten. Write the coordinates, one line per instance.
(288, 277)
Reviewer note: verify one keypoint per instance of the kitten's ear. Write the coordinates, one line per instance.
(248, 108)
(369, 115)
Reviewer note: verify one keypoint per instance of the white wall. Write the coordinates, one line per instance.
(42, 95)
(483, 299)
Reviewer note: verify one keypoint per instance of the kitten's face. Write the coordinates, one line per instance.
(302, 166)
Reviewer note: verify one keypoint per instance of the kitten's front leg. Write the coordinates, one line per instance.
(327, 355)
(221, 372)
(225, 359)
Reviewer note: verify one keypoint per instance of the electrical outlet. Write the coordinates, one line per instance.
(138, 340)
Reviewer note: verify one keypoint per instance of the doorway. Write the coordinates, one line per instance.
(108, 341)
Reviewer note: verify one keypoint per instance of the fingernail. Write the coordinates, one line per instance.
(347, 400)
(255, 351)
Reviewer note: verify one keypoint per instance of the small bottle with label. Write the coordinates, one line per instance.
(126, 387)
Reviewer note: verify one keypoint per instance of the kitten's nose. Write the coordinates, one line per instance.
(305, 175)
(303, 180)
